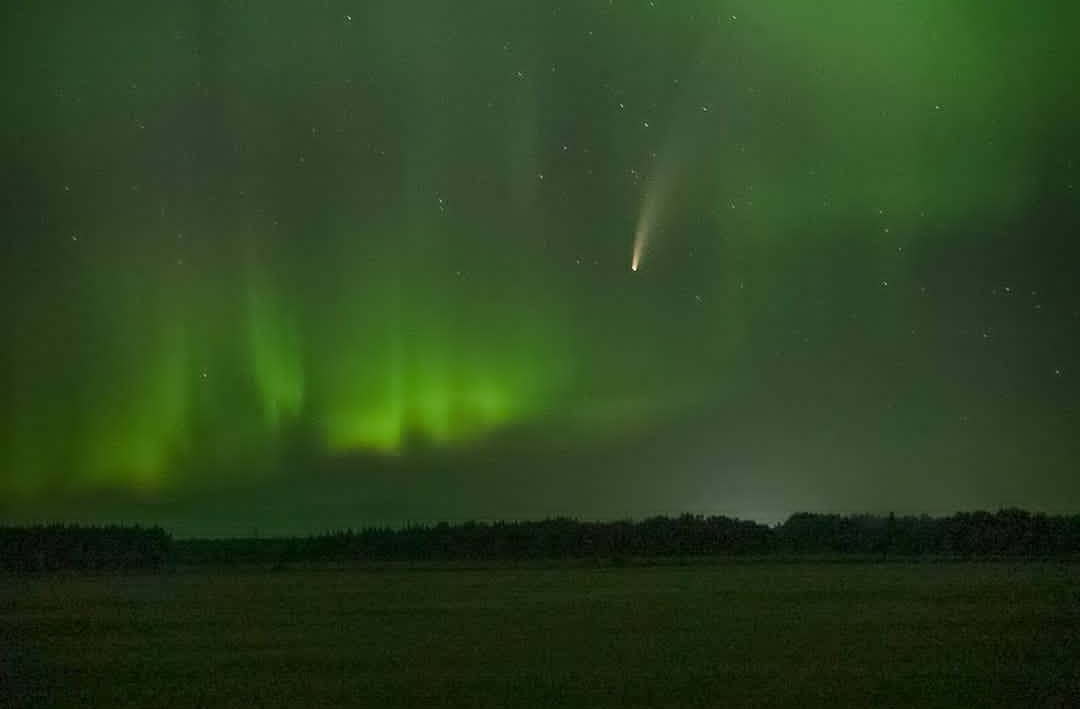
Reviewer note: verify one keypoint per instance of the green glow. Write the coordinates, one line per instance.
(317, 235)
(432, 414)
(142, 435)
(277, 364)
(407, 380)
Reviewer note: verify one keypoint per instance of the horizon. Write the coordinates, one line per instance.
(263, 535)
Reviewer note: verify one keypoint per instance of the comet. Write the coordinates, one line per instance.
(640, 237)
(685, 150)
(643, 231)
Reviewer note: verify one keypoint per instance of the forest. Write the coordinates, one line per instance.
(1007, 533)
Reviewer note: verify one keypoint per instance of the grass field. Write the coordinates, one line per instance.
(730, 634)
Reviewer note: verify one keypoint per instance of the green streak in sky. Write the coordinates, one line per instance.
(431, 365)
(276, 353)
(394, 228)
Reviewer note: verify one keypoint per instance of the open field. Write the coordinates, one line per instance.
(731, 634)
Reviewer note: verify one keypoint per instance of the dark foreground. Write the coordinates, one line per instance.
(733, 634)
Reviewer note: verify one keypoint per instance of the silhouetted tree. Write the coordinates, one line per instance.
(1008, 532)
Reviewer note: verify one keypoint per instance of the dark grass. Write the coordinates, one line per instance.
(730, 634)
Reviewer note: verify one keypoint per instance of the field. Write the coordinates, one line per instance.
(755, 634)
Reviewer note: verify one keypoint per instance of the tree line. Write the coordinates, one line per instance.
(1006, 533)
(54, 547)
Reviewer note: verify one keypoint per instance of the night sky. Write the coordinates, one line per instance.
(288, 266)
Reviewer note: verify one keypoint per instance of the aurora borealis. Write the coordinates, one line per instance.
(295, 265)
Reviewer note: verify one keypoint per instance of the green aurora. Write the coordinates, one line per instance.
(247, 242)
